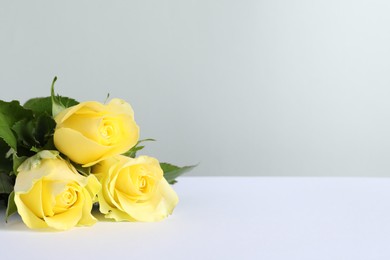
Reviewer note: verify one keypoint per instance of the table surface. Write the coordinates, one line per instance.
(234, 218)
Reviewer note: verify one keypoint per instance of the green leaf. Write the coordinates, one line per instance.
(171, 172)
(48, 146)
(34, 134)
(5, 160)
(4, 149)
(43, 105)
(24, 132)
(10, 113)
(85, 171)
(68, 102)
(133, 151)
(39, 105)
(6, 183)
(6, 133)
(17, 161)
(11, 206)
(44, 126)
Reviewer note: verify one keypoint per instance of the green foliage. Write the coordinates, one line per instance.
(6, 183)
(43, 105)
(171, 172)
(5, 159)
(10, 113)
(17, 161)
(23, 129)
(40, 105)
(85, 171)
(34, 132)
(11, 206)
(133, 151)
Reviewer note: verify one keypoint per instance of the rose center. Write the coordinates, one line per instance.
(107, 131)
(142, 184)
(65, 200)
(67, 197)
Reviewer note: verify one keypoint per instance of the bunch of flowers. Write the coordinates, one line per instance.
(59, 158)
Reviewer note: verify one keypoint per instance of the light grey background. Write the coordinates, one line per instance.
(243, 87)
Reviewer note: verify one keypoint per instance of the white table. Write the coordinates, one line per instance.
(234, 218)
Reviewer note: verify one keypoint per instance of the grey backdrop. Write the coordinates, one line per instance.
(274, 87)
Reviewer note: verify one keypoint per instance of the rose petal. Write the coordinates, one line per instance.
(67, 219)
(139, 211)
(65, 114)
(86, 218)
(120, 106)
(86, 151)
(32, 199)
(28, 216)
(169, 199)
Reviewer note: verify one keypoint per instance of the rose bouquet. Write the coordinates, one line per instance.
(59, 158)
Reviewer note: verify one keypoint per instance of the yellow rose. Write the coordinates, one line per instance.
(134, 189)
(90, 131)
(50, 193)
